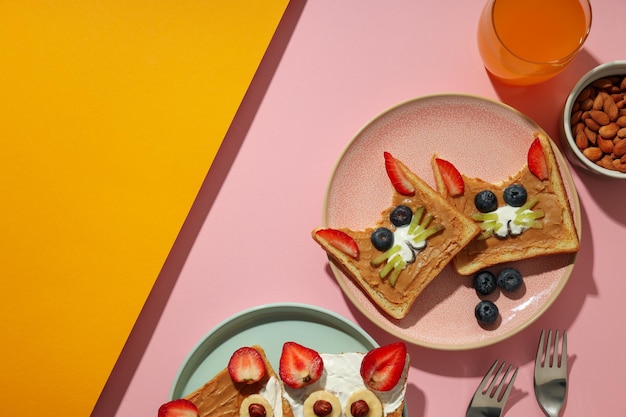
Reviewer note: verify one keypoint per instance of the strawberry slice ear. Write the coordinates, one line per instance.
(451, 177)
(537, 163)
(340, 240)
(397, 176)
(299, 365)
(246, 365)
(382, 367)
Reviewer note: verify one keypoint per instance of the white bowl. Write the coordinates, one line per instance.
(572, 152)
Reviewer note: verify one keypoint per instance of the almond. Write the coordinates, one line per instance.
(609, 131)
(593, 154)
(576, 117)
(580, 127)
(610, 108)
(602, 83)
(598, 102)
(586, 104)
(581, 140)
(621, 133)
(592, 124)
(621, 121)
(591, 135)
(606, 162)
(619, 165)
(619, 149)
(605, 145)
(600, 117)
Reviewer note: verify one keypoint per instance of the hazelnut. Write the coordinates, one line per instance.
(322, 408)
(257, 410)
(359, 408)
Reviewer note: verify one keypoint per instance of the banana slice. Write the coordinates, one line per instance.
(364, 403)
(321, 404)
(256, 405)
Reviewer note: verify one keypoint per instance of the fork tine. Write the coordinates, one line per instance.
(548, 353)
(559, 361)
(509, 384)
(552, 352)
(540, 349)
(487, 378)
(500, 380)
(564, 349)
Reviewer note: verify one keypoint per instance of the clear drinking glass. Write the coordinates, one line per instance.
(526, 42)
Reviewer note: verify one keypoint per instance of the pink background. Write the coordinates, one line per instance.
(332, 66)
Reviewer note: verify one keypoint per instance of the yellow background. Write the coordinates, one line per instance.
(111, 113)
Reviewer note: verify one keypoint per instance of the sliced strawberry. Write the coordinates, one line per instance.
(451, 177)
(246, 365)
(398, 177)
(381, 368)
(299, 365)
(340, 240)
(178, 408)
(537, 160)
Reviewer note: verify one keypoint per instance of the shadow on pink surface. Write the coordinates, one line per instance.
(544, 102)
(135, 346)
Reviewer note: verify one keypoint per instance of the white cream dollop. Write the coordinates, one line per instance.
(272, 392)
(506, 218)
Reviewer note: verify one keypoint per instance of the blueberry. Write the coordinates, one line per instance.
(486, 201)
(509, 279)
(382, 238)
(401, 216)
(486, 312)
(485, 282)
(515, 195)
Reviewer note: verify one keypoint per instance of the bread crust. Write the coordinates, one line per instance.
(558, 236)
(396, 301)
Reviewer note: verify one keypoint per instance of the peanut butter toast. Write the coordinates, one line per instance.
(406, 248)
(521, 217)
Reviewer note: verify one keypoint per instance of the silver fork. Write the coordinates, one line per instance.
(489, 398)
(551, 373)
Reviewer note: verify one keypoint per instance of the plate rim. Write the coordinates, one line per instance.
(574, 204)
(322, 316)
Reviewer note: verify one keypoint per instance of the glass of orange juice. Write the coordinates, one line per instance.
(525, 42)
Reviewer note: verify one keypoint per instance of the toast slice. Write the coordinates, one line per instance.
(394, 281)
(551, 229)
(221, 397)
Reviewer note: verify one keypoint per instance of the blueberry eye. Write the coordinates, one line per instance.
(485, 282)
(510, 279)
(401, 216)
(486, 312)
(486, 201)
(382, 238)
(515, 195)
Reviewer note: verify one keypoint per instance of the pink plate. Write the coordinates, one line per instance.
(483, 138)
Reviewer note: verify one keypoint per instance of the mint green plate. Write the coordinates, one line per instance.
(269, 326)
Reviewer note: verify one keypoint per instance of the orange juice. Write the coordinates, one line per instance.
(530, 41)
